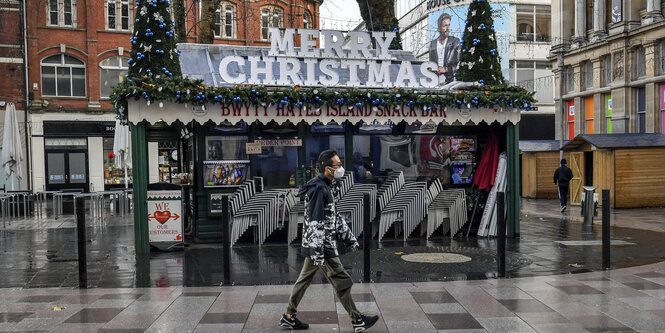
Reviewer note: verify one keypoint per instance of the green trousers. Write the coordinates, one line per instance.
(338, 278)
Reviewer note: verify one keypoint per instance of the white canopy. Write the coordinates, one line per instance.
(170, 112)
(12, 152)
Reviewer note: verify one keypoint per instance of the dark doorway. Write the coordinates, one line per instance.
(66, 169)
(588, 168)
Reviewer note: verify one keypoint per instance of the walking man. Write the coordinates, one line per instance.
(322, 228)
(562, 177)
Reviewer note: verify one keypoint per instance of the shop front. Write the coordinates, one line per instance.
(229, 133)
(77, 155)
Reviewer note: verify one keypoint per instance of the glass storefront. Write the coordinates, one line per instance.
(113, 174)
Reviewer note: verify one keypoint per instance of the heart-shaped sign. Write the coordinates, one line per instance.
(162, 217)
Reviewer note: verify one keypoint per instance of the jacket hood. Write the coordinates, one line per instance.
(320, 180)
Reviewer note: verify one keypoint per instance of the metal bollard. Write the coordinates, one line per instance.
(367, 237)
(80, 232)
(226, 241)
(606, 229)
(501, 234)
(588, 207)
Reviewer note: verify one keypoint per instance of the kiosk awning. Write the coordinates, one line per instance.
(170, 112)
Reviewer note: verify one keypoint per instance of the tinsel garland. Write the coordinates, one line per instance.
(180, 90)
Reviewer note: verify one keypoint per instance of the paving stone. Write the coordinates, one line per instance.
(505, 324)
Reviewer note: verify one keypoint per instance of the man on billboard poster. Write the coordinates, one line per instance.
(445, 50)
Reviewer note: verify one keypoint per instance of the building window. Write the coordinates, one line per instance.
(618, 65)
(608, 113)
(571, 120)
(404, 6)
(640, 62)
(415, 38)
(225, 21)
(661, 56)
(589, 15)
(589, 115)
(607, 70)
(588, 74)
(111, 72)
(63, 76)
(271, 17)
(62, 13)
(533, 23)
(117, 15)
(570, 79)
(641, 110)
(307, 22)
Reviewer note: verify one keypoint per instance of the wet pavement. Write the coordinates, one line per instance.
(42, 253)
(623, 300)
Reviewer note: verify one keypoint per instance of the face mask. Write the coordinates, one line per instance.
(339, 172)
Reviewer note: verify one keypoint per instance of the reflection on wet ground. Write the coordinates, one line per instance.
(36, 254)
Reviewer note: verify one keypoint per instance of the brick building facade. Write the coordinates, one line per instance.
(77, 50)
(12, 70)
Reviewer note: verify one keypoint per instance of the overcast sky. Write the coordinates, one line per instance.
(340, 14)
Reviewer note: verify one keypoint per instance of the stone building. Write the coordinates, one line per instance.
(608, 58)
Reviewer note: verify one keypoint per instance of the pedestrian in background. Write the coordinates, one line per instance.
(562, 177)
(322, 228)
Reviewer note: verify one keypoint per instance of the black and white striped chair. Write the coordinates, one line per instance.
(408, 206)
(447, 209)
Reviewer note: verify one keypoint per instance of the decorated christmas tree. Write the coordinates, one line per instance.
(154, 51)
(479, 58)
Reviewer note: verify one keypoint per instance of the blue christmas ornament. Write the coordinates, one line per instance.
(482, 26)
(481, 82)
(493, 52)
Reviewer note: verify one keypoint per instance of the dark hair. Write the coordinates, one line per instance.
(444, 16)
(563, 161)
(325, 159)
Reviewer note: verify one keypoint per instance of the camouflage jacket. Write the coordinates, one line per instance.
(323, 226)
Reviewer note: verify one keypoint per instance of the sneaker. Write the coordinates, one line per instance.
(364, 322)
(292, 323)
(563, 208)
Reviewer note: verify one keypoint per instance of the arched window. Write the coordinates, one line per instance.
(307, 22)
(63, 76)
(271, 17)
(225, 20)
(111, 72)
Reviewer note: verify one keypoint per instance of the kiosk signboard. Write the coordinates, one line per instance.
(165, 216)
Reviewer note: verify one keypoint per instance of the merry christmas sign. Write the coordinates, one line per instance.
(165, 216)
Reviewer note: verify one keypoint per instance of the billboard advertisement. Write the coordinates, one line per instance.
(446, 27)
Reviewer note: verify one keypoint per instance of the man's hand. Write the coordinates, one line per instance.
(442, 70)
(355, 246)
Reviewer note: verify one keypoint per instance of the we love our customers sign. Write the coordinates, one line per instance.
(164, 216)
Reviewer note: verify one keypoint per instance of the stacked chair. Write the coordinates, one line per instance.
(351, 204)
(408, 206)
(259, 209)
(446, 209)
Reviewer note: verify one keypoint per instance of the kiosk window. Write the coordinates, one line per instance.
(221, 148)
